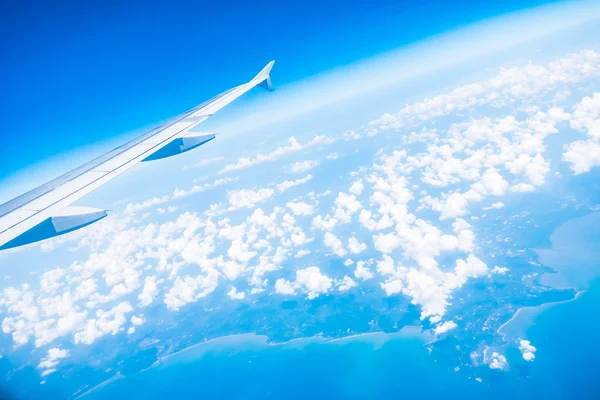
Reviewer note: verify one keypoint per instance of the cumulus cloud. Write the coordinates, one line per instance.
(346, 206)
(149, 292)
(300, 208)
(357, 187)
(302, 253)
(303, 166)
(345, 284)
(155, 201)
(362, 272)
(512, 85)
(51, 360)
(246, 198)
(190, 289)
(205, 162)
(110, 321)
(136, 320)
(235, 295)
(335, 244)
(133, 208)
(495, 206)
(498, 361)
(355, 246)
(499, 270)
(444, 327)
(582, 156)
(308, 280)
(285, 185)
(292, 146)
(283, 286)
(313, 282)
(178, 194)
(527, 350)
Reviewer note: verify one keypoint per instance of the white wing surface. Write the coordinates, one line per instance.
(46, 211)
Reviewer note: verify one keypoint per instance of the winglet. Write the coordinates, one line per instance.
(263, 79)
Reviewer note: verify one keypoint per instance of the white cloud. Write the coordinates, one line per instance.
(527, 350)
(450, 206)
(285, 185)
(133, 208)
(495, 206)
(498, 361)
(136, 320)
(235, 295)
(355, 246)
(357, 187)
(444, 327)
(292, 146)
(392, 286)
(177, 193)
(52, 280)
(510, 85)
(313, 282)
(303, 166)
(386, 243)
(586, 116)
(283, 286)
(246, 198)
(362, 272)
(345, 284)
(190, 289)
(326, 223)
(582, 156)
(522, 187)
(149, 291)
(499, 270)
(52, 359)
(346, 206)
(302, 253)
(300, 208)
(205, 162)
(335, 244)
(110, 321)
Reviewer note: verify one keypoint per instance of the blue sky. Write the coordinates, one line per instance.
(80, 73)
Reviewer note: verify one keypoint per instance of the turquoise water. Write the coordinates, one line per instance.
(566, 336)
(364, 367)
(397, 366)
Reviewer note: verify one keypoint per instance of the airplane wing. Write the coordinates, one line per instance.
(46, 211)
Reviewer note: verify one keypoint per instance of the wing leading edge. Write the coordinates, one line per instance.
(46, 211)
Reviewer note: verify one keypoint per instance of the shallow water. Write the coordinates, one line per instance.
(566, 338)
(575, 253)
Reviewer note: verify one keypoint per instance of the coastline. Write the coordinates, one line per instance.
(116, 377)
(533, 311)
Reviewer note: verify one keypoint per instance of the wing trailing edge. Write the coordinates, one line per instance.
(68, 220)
(181, 145)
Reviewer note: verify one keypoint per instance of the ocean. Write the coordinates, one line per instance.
(566, 338)
(380, 365)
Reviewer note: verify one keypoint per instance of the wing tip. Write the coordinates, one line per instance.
(263, 78)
